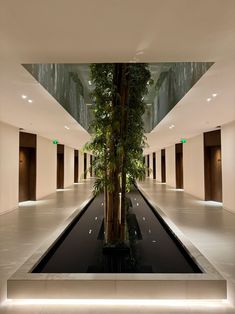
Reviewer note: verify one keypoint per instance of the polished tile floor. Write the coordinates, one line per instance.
(210, 228)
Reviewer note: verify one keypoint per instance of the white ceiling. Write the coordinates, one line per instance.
(194, 114)
(44, 116)
(75, 31)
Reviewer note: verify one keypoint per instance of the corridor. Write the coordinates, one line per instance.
(206, 224)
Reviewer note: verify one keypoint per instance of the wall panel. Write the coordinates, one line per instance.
(228, 165)
(9, 167)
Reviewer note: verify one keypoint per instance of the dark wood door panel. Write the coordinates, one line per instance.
(179, 171)
(27, 174)
(60, 171)
(163, 165)
(213, 167)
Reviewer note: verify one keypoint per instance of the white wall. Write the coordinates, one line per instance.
(46, 167)
(170, 166)
(158, 166)
(146, 165)
(88, 165)
(9, 167)
(68, 166)
(151, 165)
(193, 165)
(81, 166)
(228, 165)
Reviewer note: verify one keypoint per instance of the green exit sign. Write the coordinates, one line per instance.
(183, 140)
(55, 141)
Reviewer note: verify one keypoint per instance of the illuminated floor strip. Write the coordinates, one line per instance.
(166, 303)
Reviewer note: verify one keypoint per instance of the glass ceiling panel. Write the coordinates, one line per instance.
(70, 85)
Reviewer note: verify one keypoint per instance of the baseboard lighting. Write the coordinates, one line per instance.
(122, 302)
(34, 203)
(209, 203)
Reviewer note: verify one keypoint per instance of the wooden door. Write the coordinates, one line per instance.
(85, 165)
(60, 166)
(163, 165)
(213, 168)
(91, 166)
(75, 166)
(148, 172)
(213, 174)
(154, 166)
(216, 174)
(179, 165)
(27, 174)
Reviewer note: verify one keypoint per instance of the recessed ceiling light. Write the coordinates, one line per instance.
(66, 127)
(89, 82)
(171, 126)
(214, 94)
(24, 96)
(30, 100)
(208, 99)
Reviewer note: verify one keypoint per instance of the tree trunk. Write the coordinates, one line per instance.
(105, 194)
(115, 220)
(124, 104)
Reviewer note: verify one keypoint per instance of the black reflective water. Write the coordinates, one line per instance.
(153, 248)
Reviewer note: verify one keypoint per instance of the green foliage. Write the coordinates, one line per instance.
(118, 132)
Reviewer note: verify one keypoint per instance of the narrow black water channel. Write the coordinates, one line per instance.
(153, 248)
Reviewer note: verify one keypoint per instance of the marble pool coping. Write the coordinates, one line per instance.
(207, 285)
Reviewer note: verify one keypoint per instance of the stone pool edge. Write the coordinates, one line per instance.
(26, 285)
